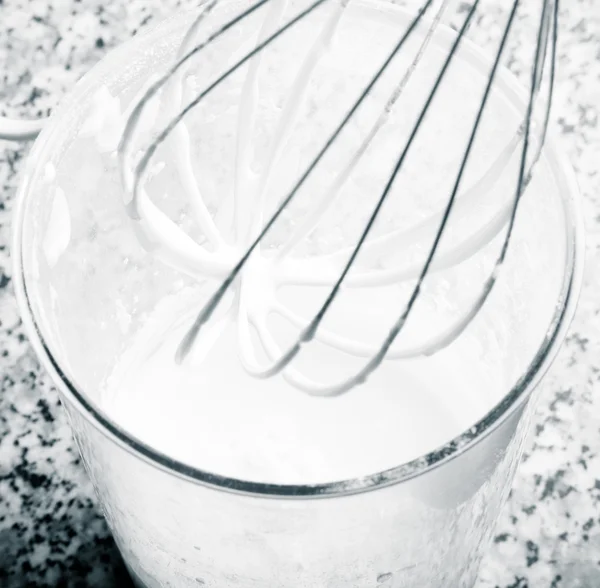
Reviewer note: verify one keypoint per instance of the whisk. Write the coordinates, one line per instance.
(243, 271)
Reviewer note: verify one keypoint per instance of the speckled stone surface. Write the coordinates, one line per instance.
(51, 532)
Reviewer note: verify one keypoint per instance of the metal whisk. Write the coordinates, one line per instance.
(229, 265)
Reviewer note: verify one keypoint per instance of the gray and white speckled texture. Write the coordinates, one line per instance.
(51, 533)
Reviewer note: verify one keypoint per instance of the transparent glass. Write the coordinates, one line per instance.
(85, 289)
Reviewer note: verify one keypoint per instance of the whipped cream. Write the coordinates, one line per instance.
(210, 411)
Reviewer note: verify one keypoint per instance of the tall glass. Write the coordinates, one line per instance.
(85, 286)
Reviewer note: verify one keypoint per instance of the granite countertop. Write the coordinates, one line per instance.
(51, 532)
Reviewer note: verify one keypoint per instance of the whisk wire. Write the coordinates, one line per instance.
(458, 328)
(310, 329)
(551, 20)
(537, 68)
(313, 216)
(309, 332)
(142, 166)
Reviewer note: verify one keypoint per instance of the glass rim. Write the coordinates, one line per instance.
(565, 309)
